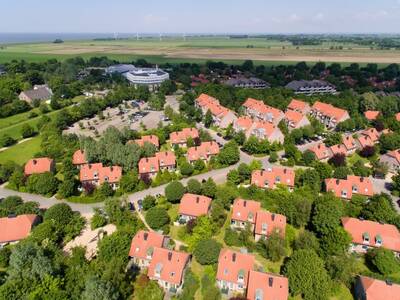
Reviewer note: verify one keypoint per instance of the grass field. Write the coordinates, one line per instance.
(21, 153)
(198, 49)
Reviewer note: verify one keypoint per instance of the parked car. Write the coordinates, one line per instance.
(140, 204)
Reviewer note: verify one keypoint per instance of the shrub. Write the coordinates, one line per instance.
(193, 186)
(60, 213)
(207, 252)
(157, 217)
(174, 191)
(6, 140)
(383, 261)
(149, 202)
(44, 184)
(27, 131)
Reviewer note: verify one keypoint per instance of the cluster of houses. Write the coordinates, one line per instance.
(350, 144)
(261, 120)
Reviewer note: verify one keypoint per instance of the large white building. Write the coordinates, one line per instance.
(151, 77)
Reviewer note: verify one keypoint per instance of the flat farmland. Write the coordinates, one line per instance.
(202, 49)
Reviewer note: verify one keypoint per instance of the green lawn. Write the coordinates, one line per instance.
(15, 130)
(15, 119)
(21, 153)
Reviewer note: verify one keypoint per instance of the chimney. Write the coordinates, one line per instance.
(245, 203)
(270, 281)
(234, 257)
(169, 256)
(273, 217)
(147, 160)
(34, 161)
(388, 282)
(112, 168)
(145, 236)
(284, 171)
(337, 181)
(361, 179)
(197, 199)
(262, 172)
(319, 146)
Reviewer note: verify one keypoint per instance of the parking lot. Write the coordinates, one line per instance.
(130, 114)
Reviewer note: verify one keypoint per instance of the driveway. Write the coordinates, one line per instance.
(381, 186)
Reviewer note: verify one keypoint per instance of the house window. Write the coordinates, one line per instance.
(355, 189)
(366, 237)
(344, 194)
(277, 179)
(264, 228)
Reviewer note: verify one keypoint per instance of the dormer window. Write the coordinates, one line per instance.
(95, 175)
(106, 178)
(264, 228)
(366, 237)
(266, 184)
(250, 216)
(158, 269)
(344, 193)
(378, 240)
(241, 275)
(278, 179)
(355, 189)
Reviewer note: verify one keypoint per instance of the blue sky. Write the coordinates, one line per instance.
(205, 16)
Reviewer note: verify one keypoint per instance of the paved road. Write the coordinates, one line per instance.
(45, 202)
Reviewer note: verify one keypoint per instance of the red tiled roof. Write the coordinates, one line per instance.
(203, 151)
(320, 150)
(371, 114)
(293, 117)
(397, 116)
(379, 290)
(267, 286)
(232, 263)
(213, 105)
(16, 228)
(365, 141)
(179, 137)
(244, 123)
(389, 234)
(78, 158)
(166, 158)
(270, 222)
(144, 242)
(297, 105)
(361, 185)
(273, 176)
(266, 129)
(262, 108)
(330, 110)
(372, 133)
(338, 149)
(194, 205)
(245, 210)
(153, 164)
(91, 172)
(38, 165)
(152, 139)
(148, 165)
(349, 142)
(170, 265)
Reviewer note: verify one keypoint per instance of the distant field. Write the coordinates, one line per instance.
(176, 50)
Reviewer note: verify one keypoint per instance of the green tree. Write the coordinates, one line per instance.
(27, 131)
(44, 184)
(308, 157)
(229, 154)
(190, 286)
(327, 212)
(272, 248)
(335, 242)
(193, 186)
(341, 172)
(157, 217)
(207, 252)
(61, 214)
(384, 261)
(174, 191)
(149, 202)
(233, 177)
(307, 275)
(186, 168)
(97, 289)
(306, 240)
(273, 157)
(209, 188)
(208, 119)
